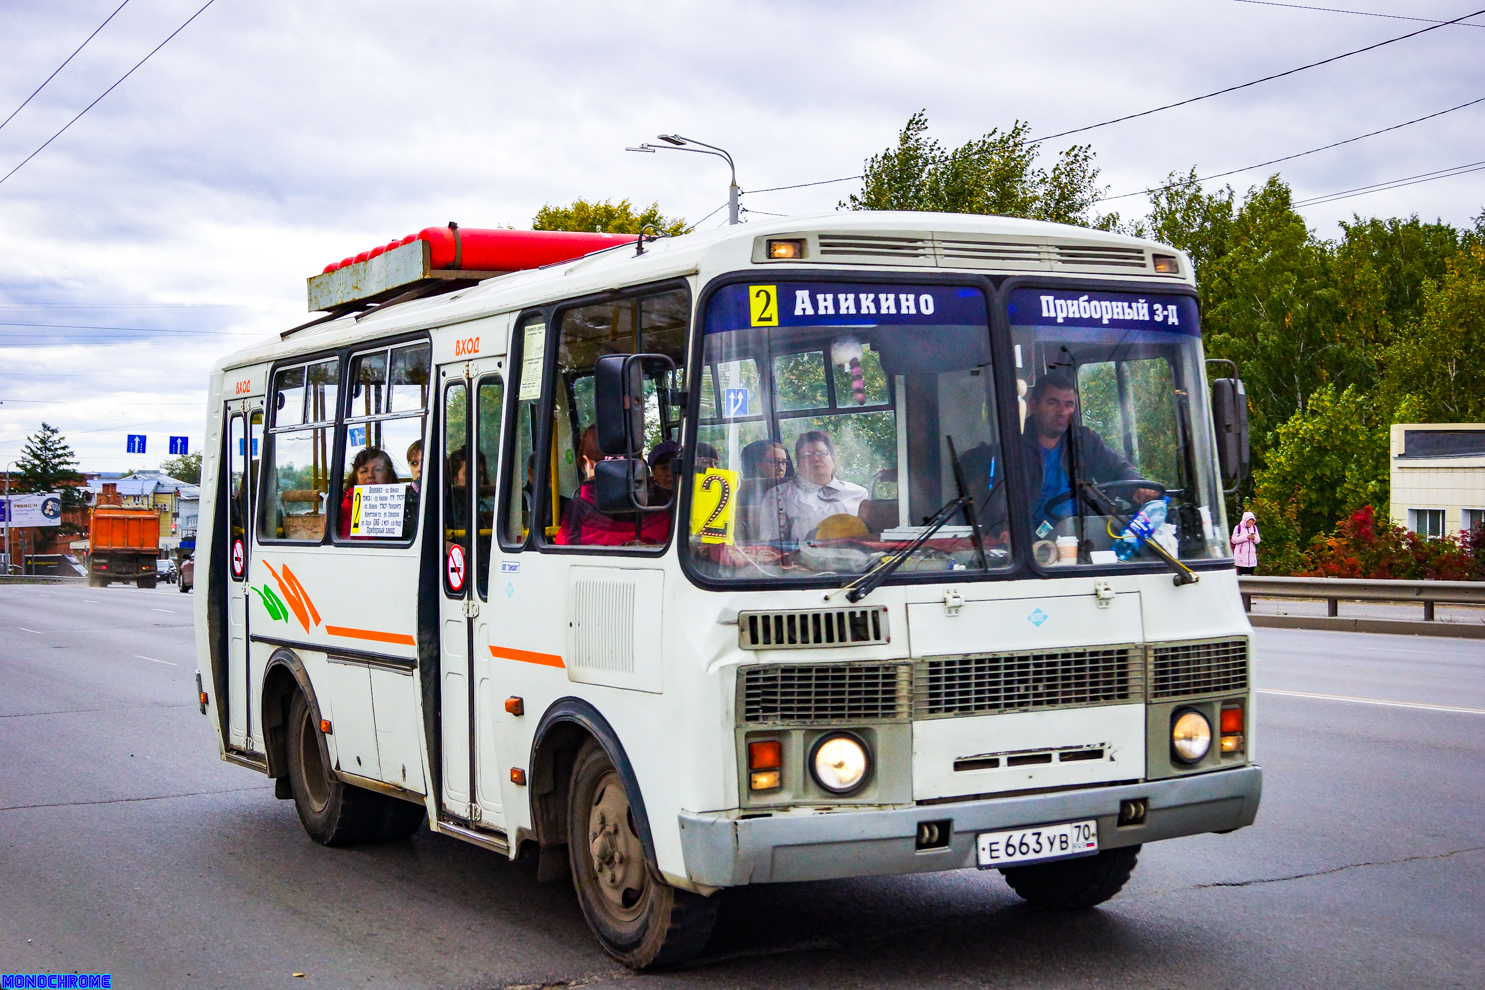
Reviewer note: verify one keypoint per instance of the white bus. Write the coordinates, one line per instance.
(863, 544)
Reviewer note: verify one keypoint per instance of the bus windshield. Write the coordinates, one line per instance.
(832, 418)
(1114, 421)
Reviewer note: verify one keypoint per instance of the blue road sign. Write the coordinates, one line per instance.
(242, 445)
(735, 403)
(180, 446)
(136, 443)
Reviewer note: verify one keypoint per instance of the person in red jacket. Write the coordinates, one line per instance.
(584, 524)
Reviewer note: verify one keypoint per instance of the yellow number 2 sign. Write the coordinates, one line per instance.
(763, 303)
(714, 506)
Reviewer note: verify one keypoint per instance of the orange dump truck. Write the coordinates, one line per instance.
(123, 544)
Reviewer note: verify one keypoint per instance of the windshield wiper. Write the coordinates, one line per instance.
(886, 566)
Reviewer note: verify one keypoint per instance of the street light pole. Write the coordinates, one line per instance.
(674, 142)
(8, 468)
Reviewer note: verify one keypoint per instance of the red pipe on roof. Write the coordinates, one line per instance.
(497, 250)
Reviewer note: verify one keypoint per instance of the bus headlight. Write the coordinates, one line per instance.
(839, 762)
(1190, 736)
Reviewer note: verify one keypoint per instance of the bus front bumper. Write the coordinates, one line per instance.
(724, 851)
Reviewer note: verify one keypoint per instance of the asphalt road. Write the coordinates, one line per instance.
(126, 847)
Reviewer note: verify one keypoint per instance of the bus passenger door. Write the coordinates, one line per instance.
(489, 693)
(471, 785)
(235, 469)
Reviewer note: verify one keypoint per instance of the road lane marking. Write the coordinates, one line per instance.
(170, 610)
(24, 629)
(141, 656)
(1374, 701)
(91, 602)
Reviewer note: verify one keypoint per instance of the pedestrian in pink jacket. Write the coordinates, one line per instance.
(1245, 540)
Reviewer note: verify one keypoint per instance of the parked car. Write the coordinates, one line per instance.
(187, 574)
(165, 569)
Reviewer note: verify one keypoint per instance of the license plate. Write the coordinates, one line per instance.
(1025, 845)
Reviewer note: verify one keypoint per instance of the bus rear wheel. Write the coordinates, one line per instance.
(1074, 884)
(333, 812)
(639, 919)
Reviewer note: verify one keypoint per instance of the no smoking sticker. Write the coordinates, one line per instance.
(239, 558)
(456, 568)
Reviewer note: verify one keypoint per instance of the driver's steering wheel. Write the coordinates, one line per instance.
(1122, 491)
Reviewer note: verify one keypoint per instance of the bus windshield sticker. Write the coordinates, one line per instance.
(377, 510)
(533, 352)
(843, 304)
(714, 506)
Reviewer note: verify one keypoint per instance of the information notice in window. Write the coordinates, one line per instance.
(377, 510)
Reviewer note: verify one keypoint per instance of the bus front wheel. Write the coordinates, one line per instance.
(333, 812)
(1074, 884)
(639, 919)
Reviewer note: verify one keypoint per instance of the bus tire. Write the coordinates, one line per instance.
(333, 812)
(1074, 884)
(401, 821)
(639, 919)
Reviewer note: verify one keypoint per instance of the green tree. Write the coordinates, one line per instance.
(1327, 461)
(607, 218)
(996, 174)
(47, 464)
(1435, 363)
(187, 468)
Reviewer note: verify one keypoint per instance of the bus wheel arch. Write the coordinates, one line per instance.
(565, 726)
(284, 677)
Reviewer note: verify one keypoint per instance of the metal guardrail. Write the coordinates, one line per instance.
(1335, 590)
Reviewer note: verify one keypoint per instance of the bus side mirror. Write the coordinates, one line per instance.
(621, 485)
(1230, 417)
(619, 404)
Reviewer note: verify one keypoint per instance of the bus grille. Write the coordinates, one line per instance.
(826, 692)
(812, 629)
(1091, 255)
(907, 250)
(1180, 669)
(1029, 681)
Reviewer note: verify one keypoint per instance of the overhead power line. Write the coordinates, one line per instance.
(1359, 13)
(89, 326)
(63, 65)
(106, 92)
(1412, 180)
(802, 185)
(1301, 154)
(1255, 82)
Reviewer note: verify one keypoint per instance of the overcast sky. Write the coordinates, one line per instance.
(269, 138)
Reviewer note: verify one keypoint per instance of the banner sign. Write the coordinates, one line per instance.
(1113, 310)
(843, 304)
(44, 509)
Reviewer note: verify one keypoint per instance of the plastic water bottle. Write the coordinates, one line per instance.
(1141, 528)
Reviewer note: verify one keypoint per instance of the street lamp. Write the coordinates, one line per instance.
(674, 142)
(8, 468)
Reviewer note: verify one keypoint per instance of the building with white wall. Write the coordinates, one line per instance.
(1437, 471)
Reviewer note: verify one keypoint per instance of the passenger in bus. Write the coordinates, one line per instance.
(414, 488)
(662, 471)
(457, 510)
(791, 511)
(371, 467)
(415, 464)
(584, 524)
(766, 465)
(706, 457)
(1052, 402)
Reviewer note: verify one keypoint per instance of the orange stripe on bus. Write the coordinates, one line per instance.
(376, 637)
(526, 656)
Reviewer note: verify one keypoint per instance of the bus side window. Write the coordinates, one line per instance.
(296, 456)
(455, 452)
(236, 483)
(384, 425)
(656, 323)
(520, 471)
(490, 400)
